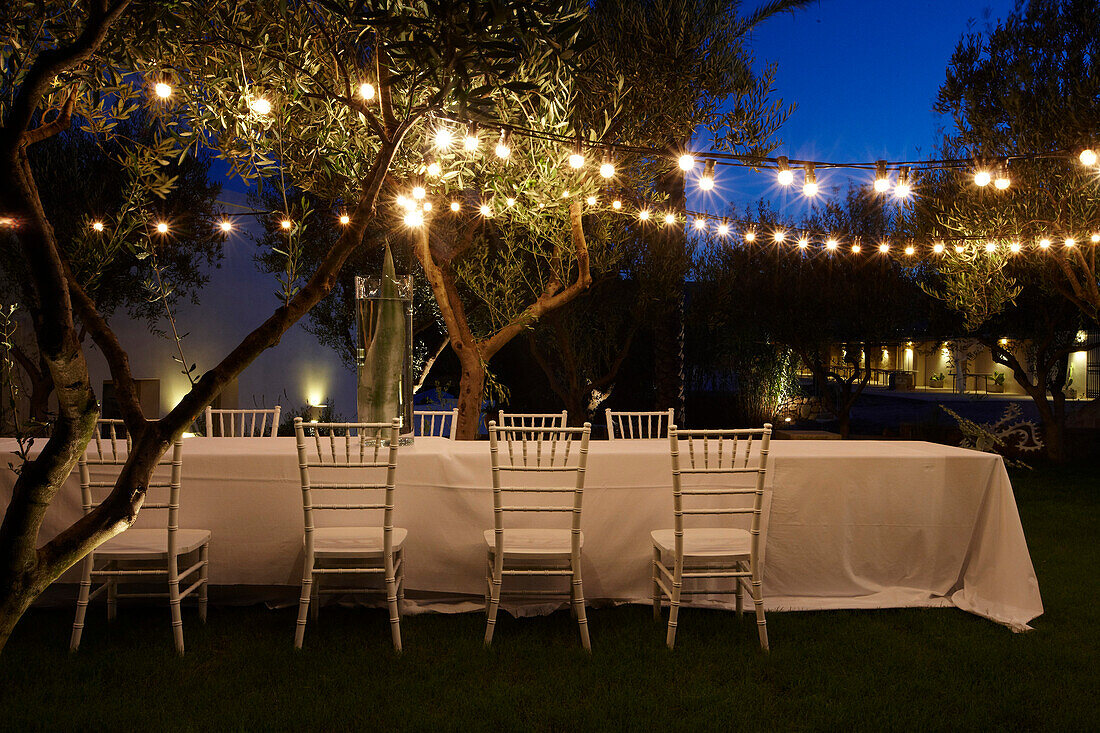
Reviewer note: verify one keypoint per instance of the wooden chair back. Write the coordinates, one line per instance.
(435, 423)
(638, 425)
(533, 419)
(242, 423)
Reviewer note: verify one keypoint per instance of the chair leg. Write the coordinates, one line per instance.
(578, 600)
(674, 612)
(204, 576)
(315, 599)
(391, 601)
(488, 584)
(494, 598)
(401, 586)
(174, 607)
(740, 595)
(761, 624)
(303, 603)
(112, 593)
(654, 569)
(81, 603)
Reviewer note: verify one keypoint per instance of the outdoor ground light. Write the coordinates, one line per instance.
(785, 177)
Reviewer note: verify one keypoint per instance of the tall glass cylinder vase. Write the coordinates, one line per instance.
(384, 324)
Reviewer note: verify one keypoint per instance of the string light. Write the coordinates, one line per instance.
(413, 218)
(959, 249)
(1095, 238)
(260, 106)
(285, 224)
(1014, 247)
(723, 228)
(163, 90)
(471, 141)
(403, 201)
(434, 169)
(982, 178)
(1087, 157)
(418, 192)
(616, 204)
(509, 202)
(225, 225)
(503, 149)
(428, 206)
(1044, 243)
(670, 218)
(366, 91)
(990, 247)
(803, 243)
(750, 236)
(1070, 241)
(565, 194)
(1002, 181)
(162, 227)
(576, 158)
(706, 181)
(884, 247)
(779, 235)
(345, 219)
(643, 215)
(937, 247)
(831, 244)
(809, 187)
(882, 179)
(591, 200)
(485, 211)
(785, 177)
(910, 250)
(700, 223)
(856, 248)
(97, 225)
(607, 168)
(686, 162)
(902, 190)
(455, 206)
(443, 138)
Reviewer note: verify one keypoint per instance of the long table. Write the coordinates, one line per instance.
(852, 524)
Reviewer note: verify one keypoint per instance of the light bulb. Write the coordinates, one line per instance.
(1095, 238)
(260, 106)
(413, 218)
(779, 236)
(785, 176)
(882, 185)
(162, 227)
(670, 218)
(616, 204)
(686, 162)
(503, 150)
(455, 206)
(403, 201)
(286, 224)
(990, 247)
(485, 211)
(809, 187)
(164, 91)
(434, 169)
(427, 205)
(565, 194)
(591, 200)
(576, 160)
(1002, 182)
(366, 91)
(225, 225)
(700, 223)
(509, 202)
(707, 184)
(831, 244)
(902, 189)
(750, 236)
(643, 215)
(1015, 246)
(706, 181)
(937, 247)
(856, 248)
(803, 243)
(882, 178)
(723, 229)
(884, 247)
(470, 143)
(418, 192)
(443, 138)
(959, 249)
(982, 178)
(1088, 157)
(910, 250)
(98, 226)
(1070, 241)
(1044, 242)
(607, 170)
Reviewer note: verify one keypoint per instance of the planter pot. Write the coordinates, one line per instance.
(995, 388)
(935, 383)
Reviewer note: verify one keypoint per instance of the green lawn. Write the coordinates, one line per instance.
(903, 669)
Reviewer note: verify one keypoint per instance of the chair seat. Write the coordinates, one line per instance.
(706, 541)
(534, 542)
(354, 541)
(150, 544)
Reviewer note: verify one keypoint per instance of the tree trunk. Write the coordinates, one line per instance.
(471, 386)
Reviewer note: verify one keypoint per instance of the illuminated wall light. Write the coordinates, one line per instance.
(909, 250)
(779, 236)
(750, 236)
(785, 177)
(686, 162)
(882, 178)
(97, 225)
(428, 206)
(443, 138)
(162, 227)
(616, 204)
(938, 247)
(455, 206)
(225, 225)
(700, 223)
(1088, 157)
(504, 148)
(1002, 181)
(831, 244)
(1014, 247)
(286, 223)
(903, 189)
(418, 192)
(260, 106)
(434, 169)
(591, 200)
(809, 188)
(982, 178)
(643, 215)
(366, 91)
(163, 90)
(485, 211)
(1070, 241)
(471, 141)
(413, 218)
(1044, 243)
(670, 218)
(706, 181)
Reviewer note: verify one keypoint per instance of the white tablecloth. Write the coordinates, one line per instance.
(853, 524)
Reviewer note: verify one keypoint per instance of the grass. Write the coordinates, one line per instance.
(888, 669)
